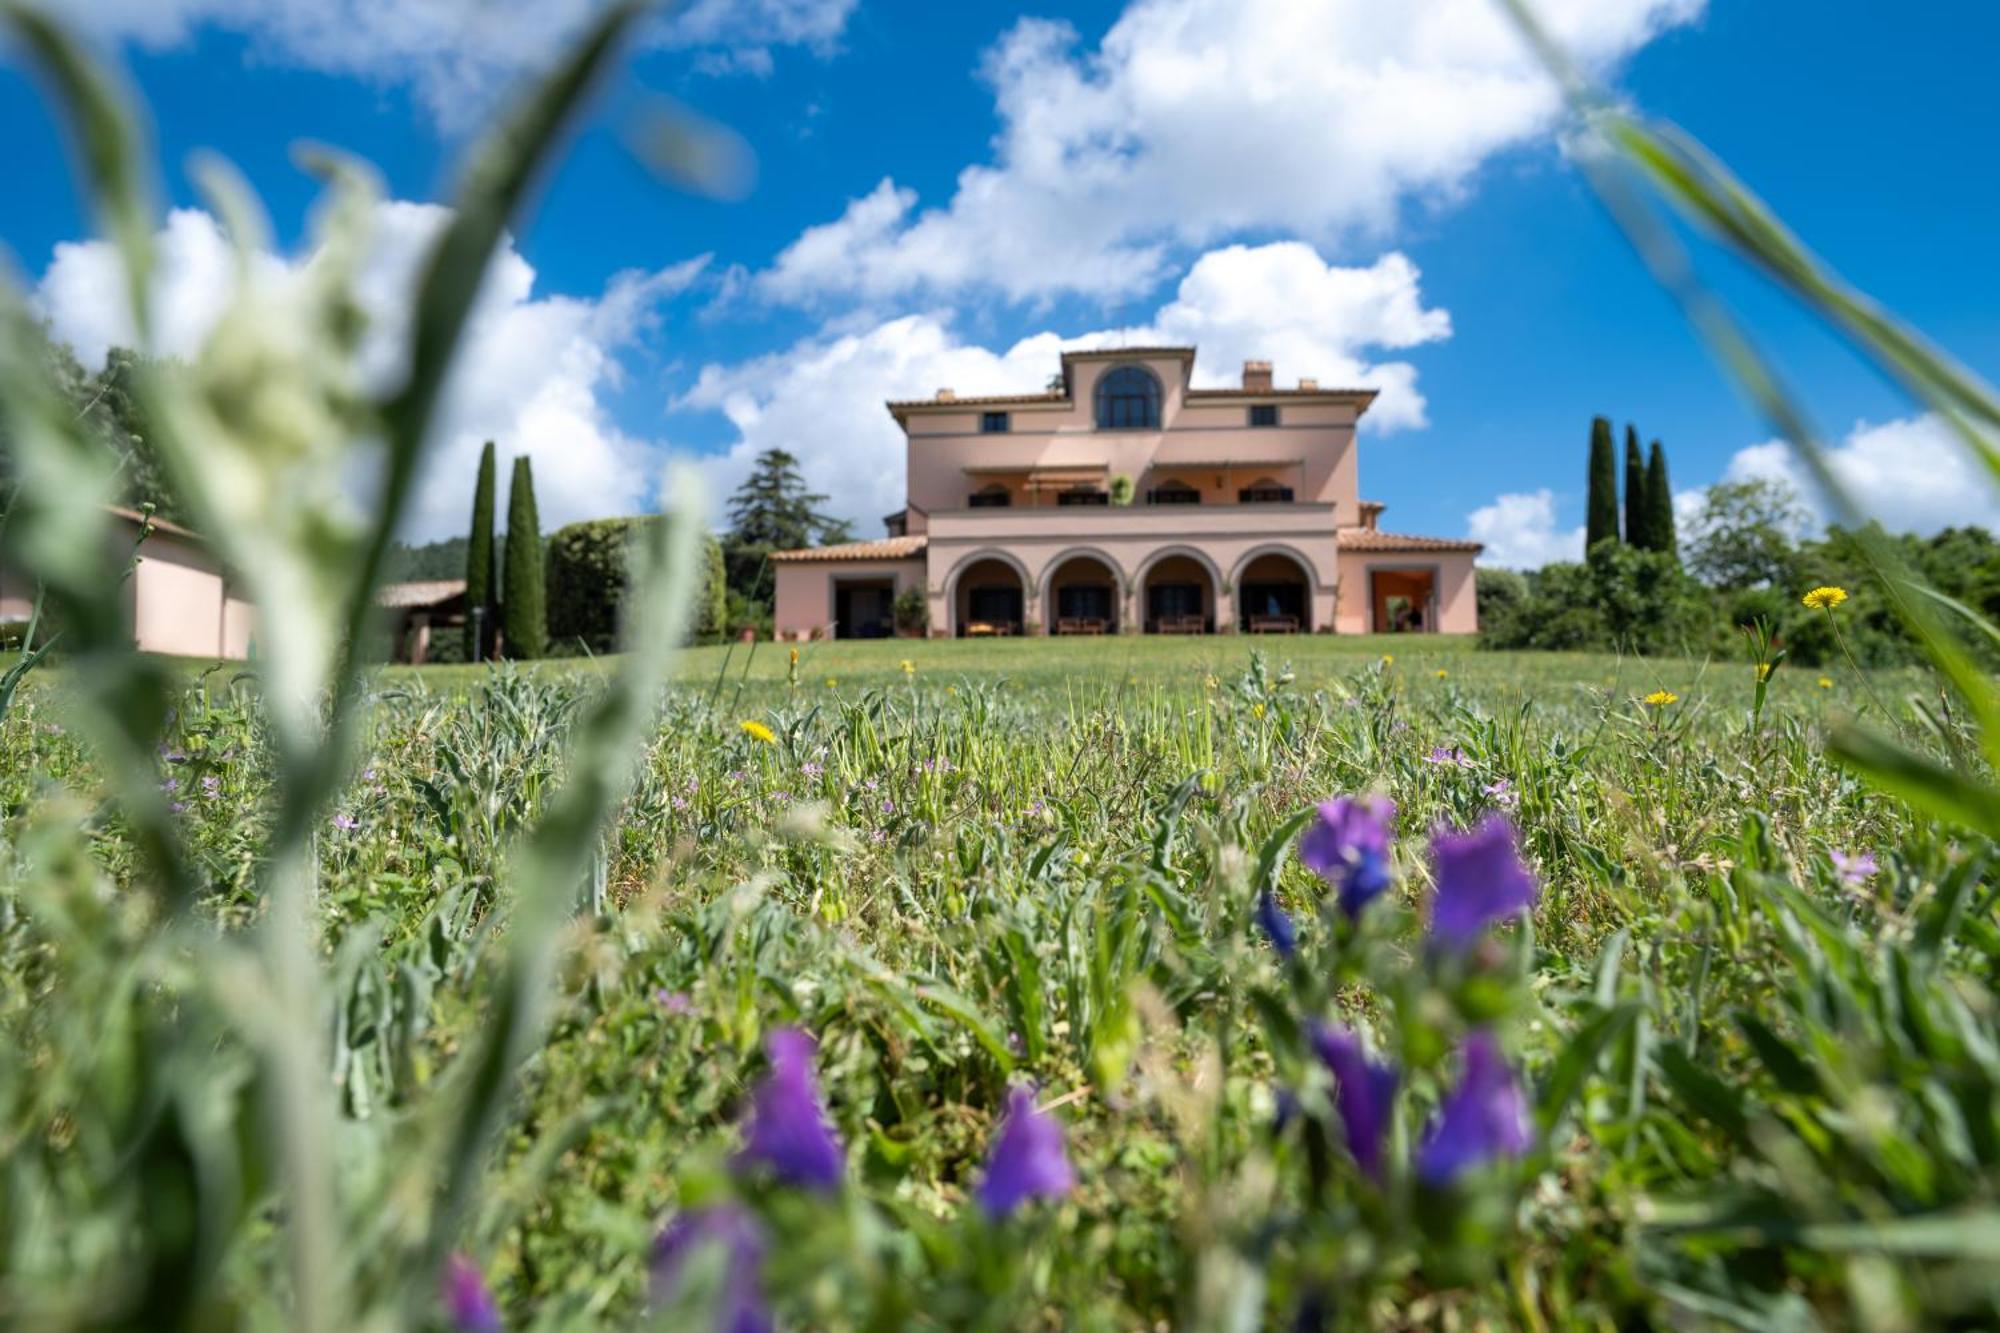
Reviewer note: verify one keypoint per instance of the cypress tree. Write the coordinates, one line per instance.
(1660, 503)
(479, 564)
(1601, 509)
(1637, 533)
(522, 601)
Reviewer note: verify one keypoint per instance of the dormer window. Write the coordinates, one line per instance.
(1173, 491)
(993, 423)
(1263, 414)
(1128, 398)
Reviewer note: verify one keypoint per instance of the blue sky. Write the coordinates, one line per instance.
(1360, 197)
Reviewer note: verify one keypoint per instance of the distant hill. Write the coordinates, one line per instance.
(432, 560)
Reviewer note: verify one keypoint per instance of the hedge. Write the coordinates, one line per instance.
(586, 584)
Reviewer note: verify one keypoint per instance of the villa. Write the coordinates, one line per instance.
(1124, 500)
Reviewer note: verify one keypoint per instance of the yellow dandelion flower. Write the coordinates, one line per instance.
(1256, 710)
(909, 667)
(1826, 682)
(1441, 673)
(1763, 671)
(795, 657)
(951, 689)
(1388, 659)
(1825, 599)
(831, 682)
(757, 731)
(1661, 699)
(1210, 682)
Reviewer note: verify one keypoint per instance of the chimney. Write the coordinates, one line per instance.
(1256, 377)
(946, 396)
(1308, 386)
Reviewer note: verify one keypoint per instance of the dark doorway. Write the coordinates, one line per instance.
(864, 610)
(996, 607)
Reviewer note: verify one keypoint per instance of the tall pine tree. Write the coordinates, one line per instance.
(479, 565)
(1636, 531)
(1660, 503)
(773, 511)
(1601, 509)
(522, 599)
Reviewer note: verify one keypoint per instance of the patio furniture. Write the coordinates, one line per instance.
(1182, 625)
(1274, 624)
(1080, 625)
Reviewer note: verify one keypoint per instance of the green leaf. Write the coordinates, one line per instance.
(1918, 780)
(1580, 1057)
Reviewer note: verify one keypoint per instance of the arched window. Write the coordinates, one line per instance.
(1128, 398)
(990, 496)
(1173, 491)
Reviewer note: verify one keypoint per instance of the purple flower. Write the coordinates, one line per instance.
(171, 785)
(1272, 918)
(1480, 880)
(1448, 754)
(812, 768)
(1363, 1093)
(788, 1131)
(1485, 1117)
(1027, 1160)
(1503, 793)
(346, 823)
(1855, 869)
(675, 1002)
(210, 785)
(888, 806)
(177, 807)
(728, 1228)
(467, 1303)
(1348, 847)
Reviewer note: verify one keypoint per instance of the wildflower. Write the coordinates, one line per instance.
(1480, 880)
(812, 768)
(1448, 754)
(1347, 845)
(1855, 869)
(171, 785)
(1661, 699)
(1363, 1091)
(177, 807)
(788, 1131)
(880, 835)
(345, 822)
(1824, 599)
(210, 785)
(757, 731)
(1388, 659)
(1210, 682)
(1441, 673)
(888, 806)
(675, 1002)
(831, 682)
(467, 1303)
(1271, 917)
(1484, 1118)
(1503, 793)
(909, 667)
(1036, 808)
(1826, 682)
(1027, 1160)
(728, 1227)
(1256, 710)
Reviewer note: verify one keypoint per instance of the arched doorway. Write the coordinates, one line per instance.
(1084, 594)
(1177, 596)
(1274, 595)
(989, 598)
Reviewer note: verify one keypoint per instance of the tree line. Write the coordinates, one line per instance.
(1750, 551)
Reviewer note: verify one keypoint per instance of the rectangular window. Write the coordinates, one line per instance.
(992, 497)
(993, 423)
(1263, 414)
(1082, 497)
(1264, 495)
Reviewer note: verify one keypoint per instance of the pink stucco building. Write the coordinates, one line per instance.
(1123, 500)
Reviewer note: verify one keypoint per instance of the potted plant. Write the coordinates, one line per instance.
(912, 611)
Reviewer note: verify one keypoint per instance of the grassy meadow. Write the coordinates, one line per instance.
(1038, 863)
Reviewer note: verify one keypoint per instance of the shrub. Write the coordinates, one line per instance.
(587, 582)
(912, 610)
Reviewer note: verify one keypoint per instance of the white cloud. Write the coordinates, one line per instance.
(1912, 474)
(1198, 119)
(458, 53)
(530, 374)
(1521, 532)
(821, 399)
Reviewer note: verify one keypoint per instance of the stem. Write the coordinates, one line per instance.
(1854, 666)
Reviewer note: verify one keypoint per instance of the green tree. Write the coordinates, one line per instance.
(1660, 504)
(773, 511)
(1746, 535)
(588, 578)
(523, 607)
(1601, 510)
(1637, 530)
(479, 565)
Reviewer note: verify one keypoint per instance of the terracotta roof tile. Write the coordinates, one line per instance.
(1368, 539)
(422, 592)
(887, 548)
(1005, 399)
